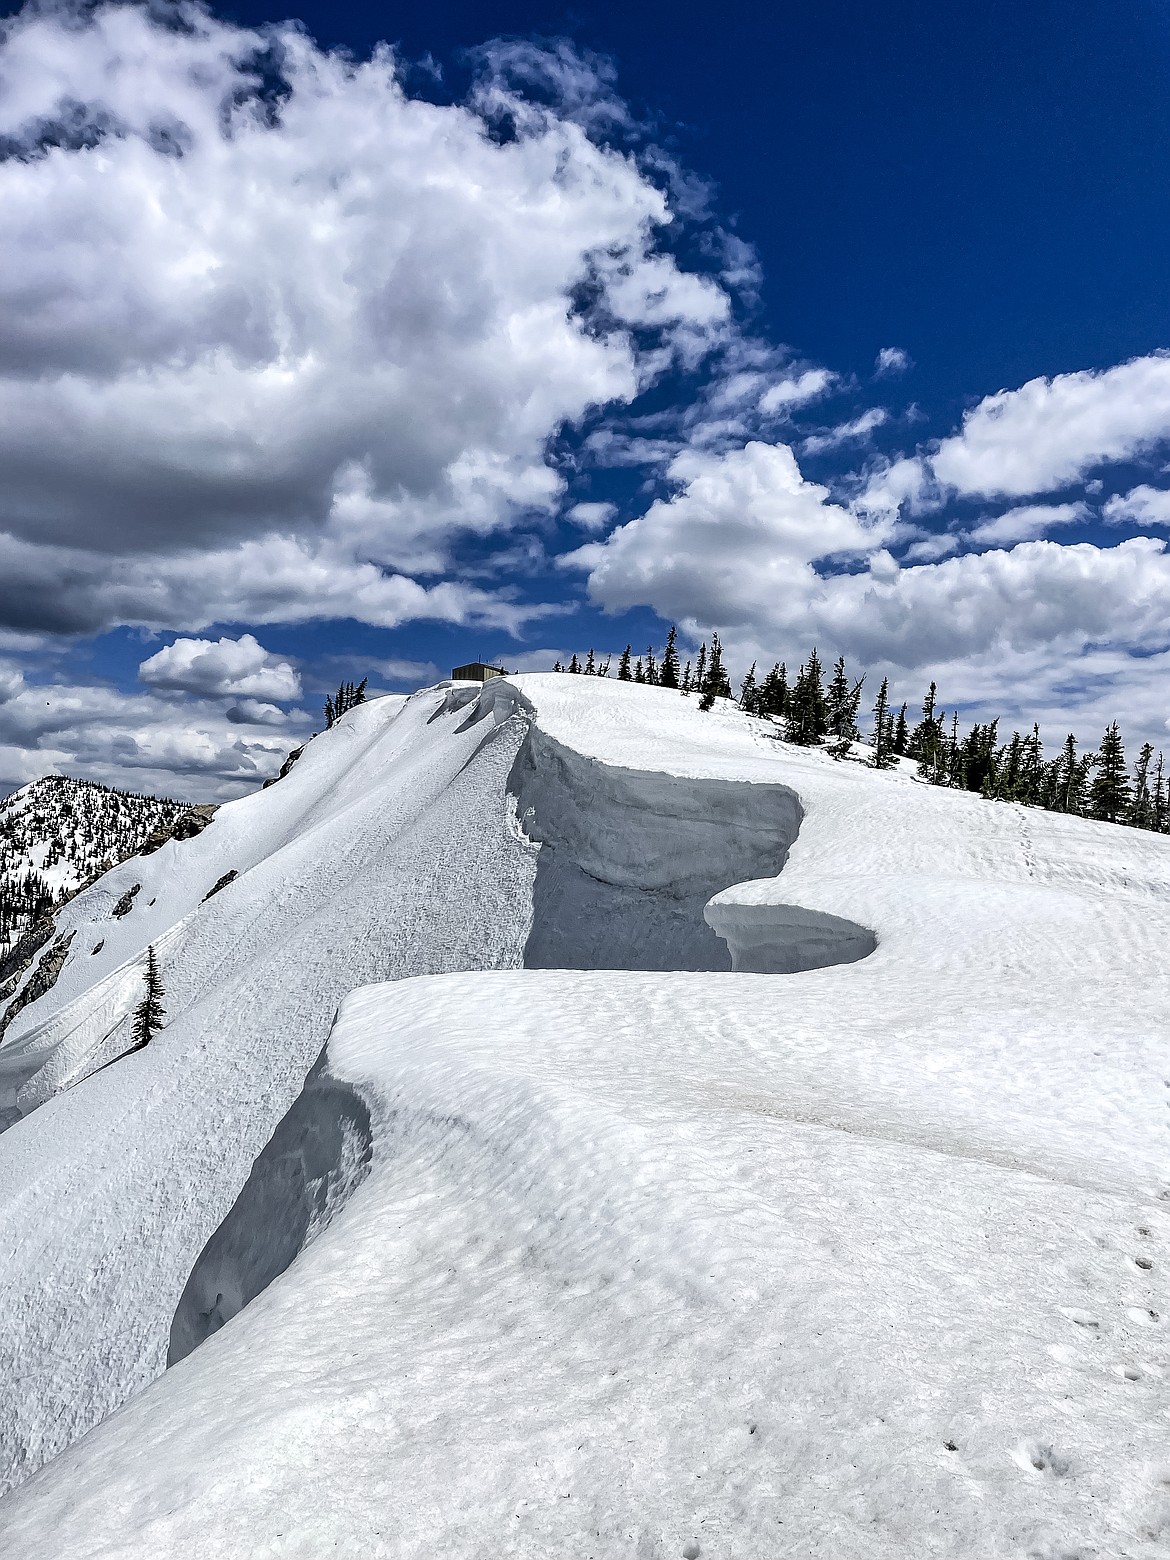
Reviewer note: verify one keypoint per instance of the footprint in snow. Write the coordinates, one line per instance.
(1081, 1318)
(1145, 1316)
(1040, 1457)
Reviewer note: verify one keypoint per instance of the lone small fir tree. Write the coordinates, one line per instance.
(149, 1014)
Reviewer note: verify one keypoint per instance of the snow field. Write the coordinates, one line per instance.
(863, 1260)
(386, 850)
(601, 1296)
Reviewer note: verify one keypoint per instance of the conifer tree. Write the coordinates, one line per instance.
(575, 665)
(1141, 805)
(717, 679)
(651, 667)
(149, 1014)
(668, 672)
(883, 729)
(841, 705)
(808, 718)
(700, 680)
(925, 737)
(1109, 793)
(901, 732)
(1030, 786)
(624, 666)
(749, 694)
(774, 692)
(685, 683)
(1158, 810)
(1008, 770)
(837, 701)
(979, 761)
(603, 669)
(590, 664)
(557, 667)
(1072, 773)
(639, 672)
(955, 774)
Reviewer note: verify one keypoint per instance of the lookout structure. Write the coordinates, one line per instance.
(476, 671)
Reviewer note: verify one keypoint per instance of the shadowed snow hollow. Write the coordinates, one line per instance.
(302, 1177)
(629, 859)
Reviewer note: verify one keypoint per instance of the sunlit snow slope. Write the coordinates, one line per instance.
(864, 1259)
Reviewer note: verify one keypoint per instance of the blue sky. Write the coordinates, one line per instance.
(817, 324)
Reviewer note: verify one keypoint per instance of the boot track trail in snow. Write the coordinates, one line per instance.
(605, 1130)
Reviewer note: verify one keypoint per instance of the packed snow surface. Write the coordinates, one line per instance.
(850, 1241)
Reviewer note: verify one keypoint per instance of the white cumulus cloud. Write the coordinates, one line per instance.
(146, 741)
(592, 517)
(749, 547)
(737, 541)
(1026, 522)
(890, 362)
(1051, 432)
(1142, 505)
(857, 429)
(1048, 434)
(797, 390)
(222, 667)
(337, 326)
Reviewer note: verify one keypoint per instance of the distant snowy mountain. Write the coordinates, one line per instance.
(59, 833)
(729, 1152)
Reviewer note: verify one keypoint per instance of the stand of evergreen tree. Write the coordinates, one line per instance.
(347, 697)
(1085, 784)
(807, 721)
(842, 702)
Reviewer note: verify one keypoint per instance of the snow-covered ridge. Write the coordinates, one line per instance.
(866, 1259)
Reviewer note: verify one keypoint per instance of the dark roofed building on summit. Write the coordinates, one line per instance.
(476, 671)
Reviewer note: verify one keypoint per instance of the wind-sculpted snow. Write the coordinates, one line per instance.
(629, 859)
(627, 862)
(407, 841)
(864, 1261)
(318, 1155)
(770, 939)
(387, 851)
